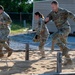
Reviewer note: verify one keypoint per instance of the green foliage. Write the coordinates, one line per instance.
(16, 28)
(16, 6)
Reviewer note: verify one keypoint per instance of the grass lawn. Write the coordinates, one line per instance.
(17, 28)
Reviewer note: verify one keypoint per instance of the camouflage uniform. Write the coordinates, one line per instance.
(60, 19)
(4, 32)
(42, 33)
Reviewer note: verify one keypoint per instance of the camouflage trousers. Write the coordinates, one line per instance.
(60, 38)
(3, 41)
(4, 38)
(42, 43)
(4, 44)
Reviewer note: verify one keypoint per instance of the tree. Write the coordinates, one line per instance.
(16, 6)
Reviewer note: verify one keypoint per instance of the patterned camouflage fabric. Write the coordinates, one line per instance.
(4, 32)
(42, 34)
(60, 19)
(4, 28)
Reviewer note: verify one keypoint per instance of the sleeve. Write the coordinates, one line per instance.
(7, 19)
(40, 25)
(49, 16)
(71, 15)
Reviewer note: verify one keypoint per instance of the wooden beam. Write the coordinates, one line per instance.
(59, 62)
(27, 52)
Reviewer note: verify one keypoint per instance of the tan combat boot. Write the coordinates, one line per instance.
(9, 52)
(68, 60)
(42, 53)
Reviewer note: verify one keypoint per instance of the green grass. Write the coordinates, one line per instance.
(18, 28)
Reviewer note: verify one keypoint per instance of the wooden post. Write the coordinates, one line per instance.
(59, 62)
(20, 17)
(27, 52)
(24, 23)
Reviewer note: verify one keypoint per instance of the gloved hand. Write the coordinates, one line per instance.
(36, 38)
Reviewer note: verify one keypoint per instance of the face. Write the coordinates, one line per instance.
(36, 17)
(54, 7)
(1, 11)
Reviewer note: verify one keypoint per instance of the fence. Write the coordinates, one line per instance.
(20, 18)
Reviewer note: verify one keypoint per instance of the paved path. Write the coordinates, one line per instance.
(18, 42)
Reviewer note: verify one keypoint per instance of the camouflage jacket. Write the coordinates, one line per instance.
(5, 19)
(60, 18)
(42, 28)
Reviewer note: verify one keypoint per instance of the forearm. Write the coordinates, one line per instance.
(71, 15)
(7, 22)
(46, 20)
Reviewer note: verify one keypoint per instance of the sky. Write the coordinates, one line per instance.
(30, 1)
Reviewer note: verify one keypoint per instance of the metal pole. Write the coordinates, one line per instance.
(27, 52)
(20, 17)
(33, 26)
(24, 23)
(59, 62)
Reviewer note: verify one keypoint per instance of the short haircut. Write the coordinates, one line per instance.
(54, 2)
(1, 7)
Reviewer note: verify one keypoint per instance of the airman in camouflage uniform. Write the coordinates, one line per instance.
(42, 34)
(60, 18)
(5, 21)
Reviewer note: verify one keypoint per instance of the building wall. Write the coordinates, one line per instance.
(44, 8)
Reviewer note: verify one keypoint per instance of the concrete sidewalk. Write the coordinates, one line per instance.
(19, 41)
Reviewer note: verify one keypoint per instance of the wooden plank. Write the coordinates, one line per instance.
(27, 52)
